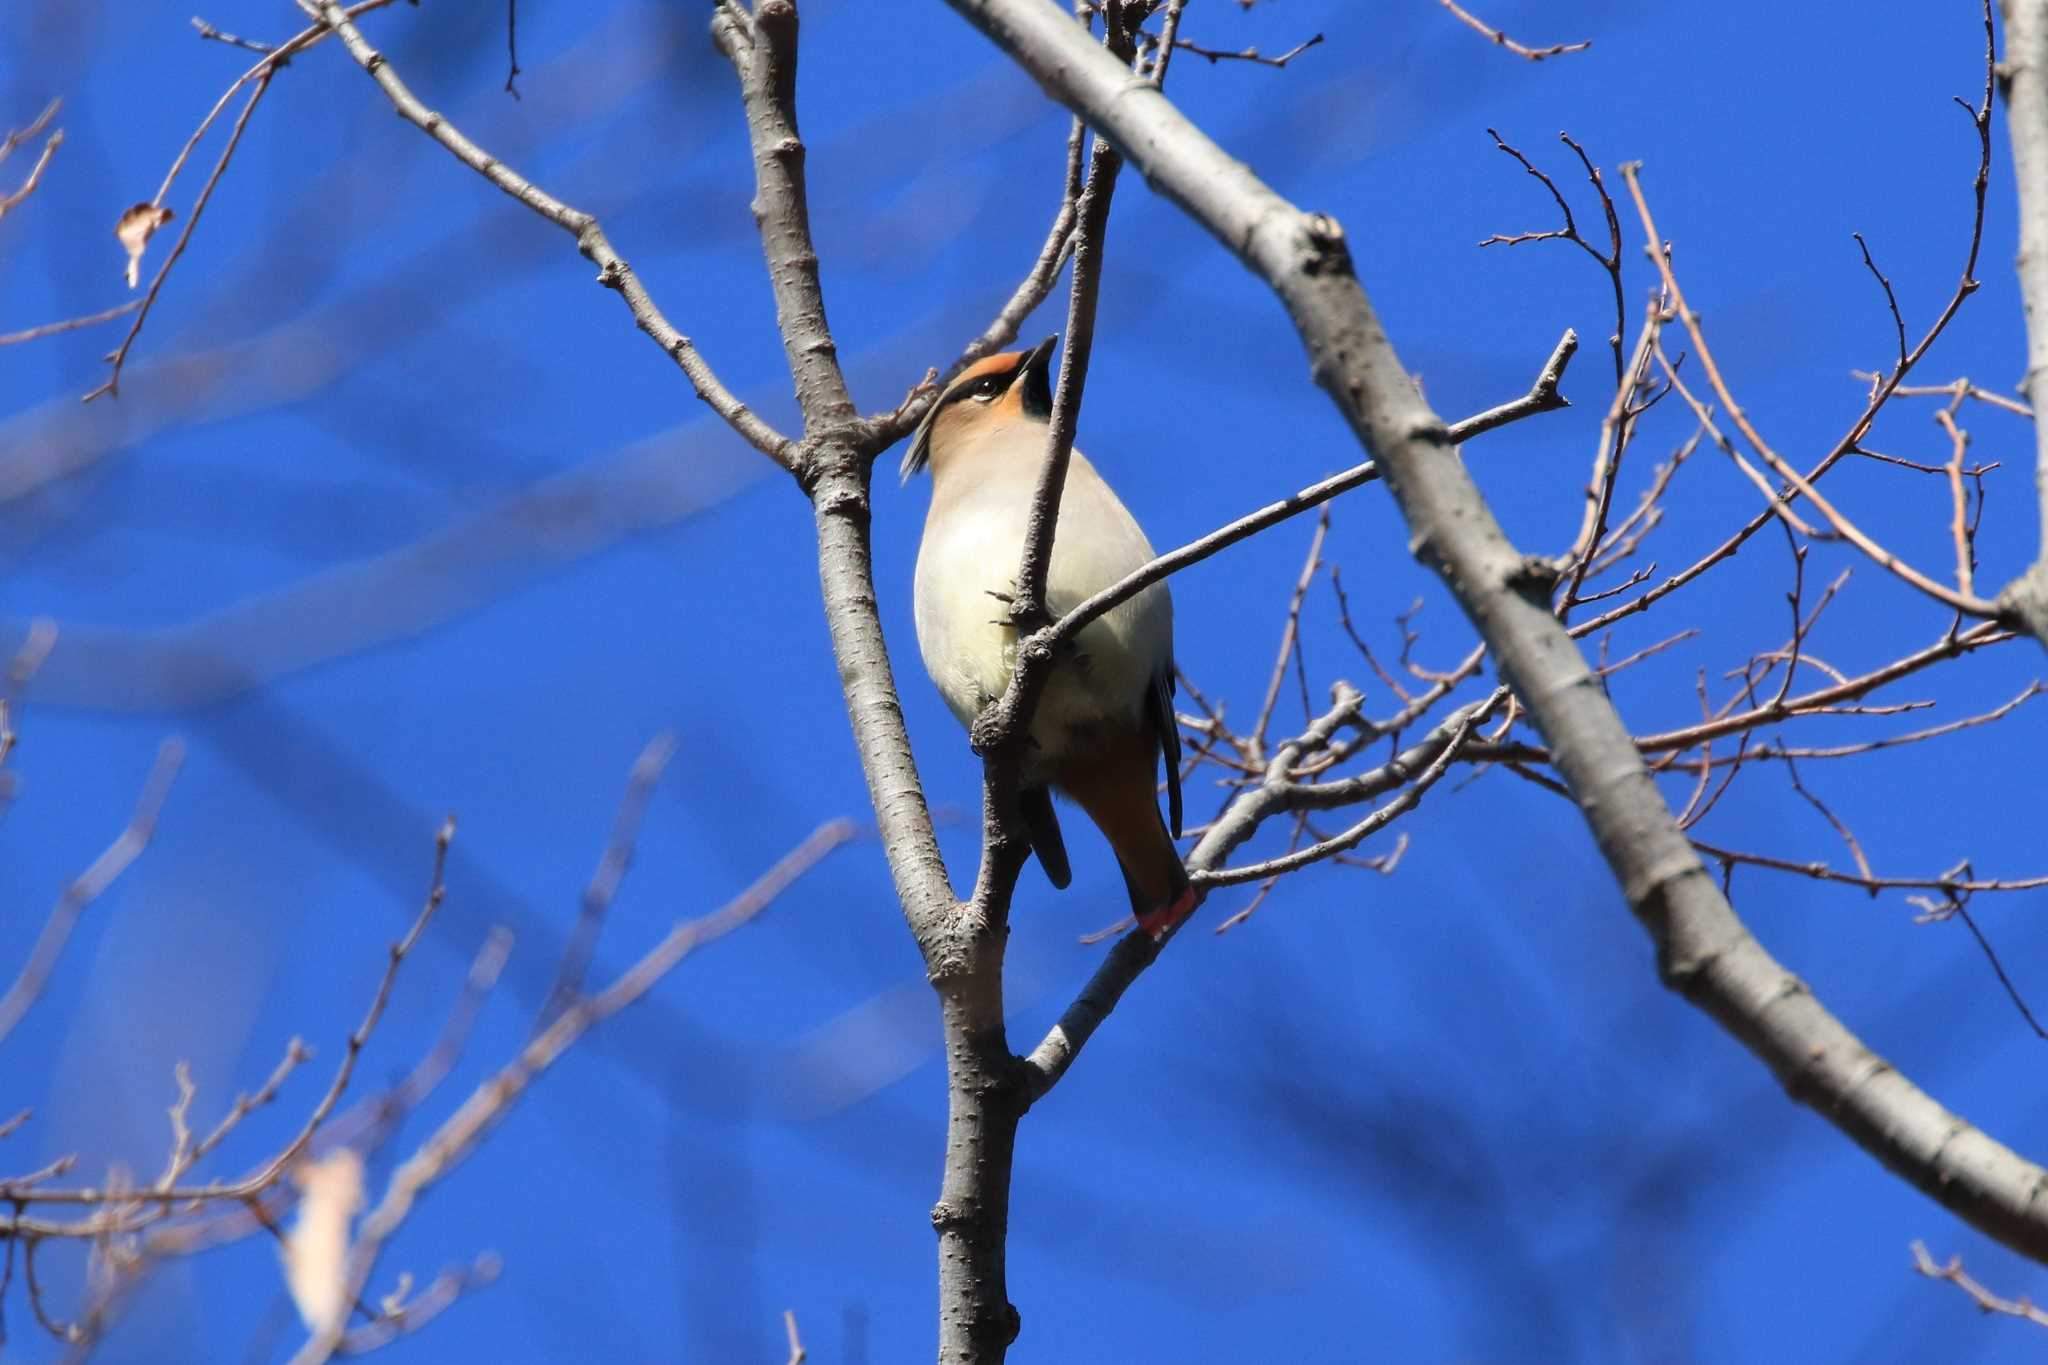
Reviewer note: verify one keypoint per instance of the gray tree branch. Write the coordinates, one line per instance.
(1705, 952)
(2026, 102)
(613, 272)
(1543, 396)
(762, 49)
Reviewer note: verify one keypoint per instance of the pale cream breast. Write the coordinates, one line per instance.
(973, 539)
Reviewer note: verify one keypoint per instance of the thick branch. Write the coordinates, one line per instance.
(762, 48)
(846, 580)
(1705, 951)
(2026, 99)
(985, 1096)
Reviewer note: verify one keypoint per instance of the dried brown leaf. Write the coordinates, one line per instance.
(136, 227)
(316, 1251)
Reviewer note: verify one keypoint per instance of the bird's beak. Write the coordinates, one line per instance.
(1035, 375)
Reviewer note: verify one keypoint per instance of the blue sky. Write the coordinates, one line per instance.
(397, 516)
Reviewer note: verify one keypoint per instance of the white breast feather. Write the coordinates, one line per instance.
(971, 547)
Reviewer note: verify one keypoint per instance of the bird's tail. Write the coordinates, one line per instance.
(1119, 792)
(1155, 917)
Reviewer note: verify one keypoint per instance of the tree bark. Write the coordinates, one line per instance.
(2026, 103)
(1704, 950)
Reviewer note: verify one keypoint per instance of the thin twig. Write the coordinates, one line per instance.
(1543, 396)
(1820, 871)
(1500, 39)
(610, 871)
(35, 173)
(212, 34)
(89, 885)
(613, 272)
(1357, 833)
(512, 47)
(118, 357)
(1959, 523)
(259, 1181)
(1290, 634)
(1967, 603)
(1891, 300)
(1986, 1301)
(69, 324)
(1248, 54)
(491, 1101)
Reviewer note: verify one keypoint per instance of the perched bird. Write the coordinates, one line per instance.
(1105, 717)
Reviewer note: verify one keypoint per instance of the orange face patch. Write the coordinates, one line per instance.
(986, 391)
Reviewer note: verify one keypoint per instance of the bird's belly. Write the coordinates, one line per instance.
(1102, 679)
(1098, 683)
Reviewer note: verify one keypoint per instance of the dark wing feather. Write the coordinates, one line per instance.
(1035, 803)
(1161, 707)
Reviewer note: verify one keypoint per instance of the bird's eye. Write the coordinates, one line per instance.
(987, 387)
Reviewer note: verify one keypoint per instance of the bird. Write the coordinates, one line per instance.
(1105, 718)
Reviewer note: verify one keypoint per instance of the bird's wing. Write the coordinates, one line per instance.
(1160, 705)
(1043, 825)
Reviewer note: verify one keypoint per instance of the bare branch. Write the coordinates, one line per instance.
(119, 356)
(512, 47)
(259, 1181)
(1616, 429)
(613, 272)
(1891, 300)
(212, 34)
(1820, 701)
(88, 886)
(1543, 396)
(1023, 301)
(1500, 39)
(1986, 1301)
(1881, 392)
(495, 1098)
(1290, 633)
(48, 329)
(34, 130)
(1966, 602)
(1055, 1053)
(610, 871)
(1609, 260)
(35, 173)
(1959, 521)
(1822, 872)
(1245, 54)
(1705, 951)
(1028, 609)
(1409, 798)
(2026, 98)
(762, 49)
